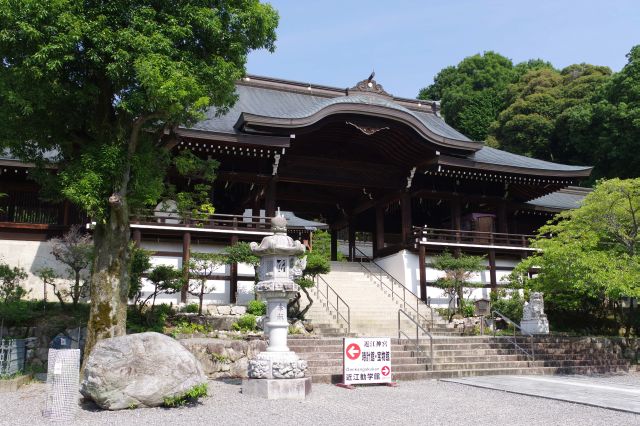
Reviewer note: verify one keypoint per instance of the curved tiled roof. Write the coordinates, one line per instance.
(291, 105)
(564, 199)
(495, 156)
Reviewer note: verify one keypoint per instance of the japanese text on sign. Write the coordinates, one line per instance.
(367, 360)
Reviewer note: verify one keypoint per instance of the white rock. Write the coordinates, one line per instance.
(139, 370)
(238, 310)
(224, 310)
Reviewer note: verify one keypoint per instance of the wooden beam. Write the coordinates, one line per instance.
(405, 217)
(334, 245)
(492, 271)
(379, 239)
(270, 198)
(233, 273)
(423, 272)
(186, 256)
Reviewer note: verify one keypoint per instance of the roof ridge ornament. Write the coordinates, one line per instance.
(369, 86)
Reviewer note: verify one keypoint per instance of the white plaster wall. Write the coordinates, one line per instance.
(33, 256)
(404, 266)
(219, 293)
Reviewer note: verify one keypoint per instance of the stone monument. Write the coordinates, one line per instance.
(278, 373)
(534, 320)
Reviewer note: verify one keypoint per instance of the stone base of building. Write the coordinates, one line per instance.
(535, 326)
(277, 388)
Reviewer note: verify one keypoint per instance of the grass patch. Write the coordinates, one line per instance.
(189, 397)
(246, 322)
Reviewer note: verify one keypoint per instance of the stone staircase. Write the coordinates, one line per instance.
(373, 308)
(471, 356)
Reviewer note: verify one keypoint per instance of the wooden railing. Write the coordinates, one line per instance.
(452, 236)
(213, 221)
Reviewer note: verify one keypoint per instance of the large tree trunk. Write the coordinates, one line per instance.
(110, 279)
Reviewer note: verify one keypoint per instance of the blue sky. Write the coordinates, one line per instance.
(338, 43)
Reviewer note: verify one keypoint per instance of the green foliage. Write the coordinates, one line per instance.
(458, 271)
(257, 308)
(11, 289)
(509, 303)
(543, 106)
(191, 308)
(202, 267)
(149, 320)
(472, 93)
(165, 279)
(195, 199)
(55, 317)
(245, 323)
(186, 327)
(241, 253)
(591, 259)
(317, 264)
(189, 397)
(140, 263)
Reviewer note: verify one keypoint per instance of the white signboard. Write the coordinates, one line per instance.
(366, 360)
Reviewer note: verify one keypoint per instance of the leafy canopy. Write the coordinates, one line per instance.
(84, 78)
(592, 255)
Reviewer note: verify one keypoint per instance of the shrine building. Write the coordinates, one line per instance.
(389, 179)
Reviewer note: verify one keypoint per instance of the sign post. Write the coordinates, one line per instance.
(366, 360)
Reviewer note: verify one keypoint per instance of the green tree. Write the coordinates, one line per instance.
(100, 83)
(317, 263)
(165, 279)
(458, 270)
(592, 258)
(241, 253)
(545, 109)
(472, 93)
(202, 268)
(11, 289)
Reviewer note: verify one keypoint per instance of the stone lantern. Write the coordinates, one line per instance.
(278, 373)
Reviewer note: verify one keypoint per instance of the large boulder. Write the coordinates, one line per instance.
(139, 370)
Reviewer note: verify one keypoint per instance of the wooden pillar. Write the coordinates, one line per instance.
(379, 228)
(65, 213)
(456, 213)
(492, 271)
(334, 245)
(422, 264)
(503, 225)
(352, 239)
(137, 237)
(405, 218)
(270, 199)
(233, 276)
(186, 255)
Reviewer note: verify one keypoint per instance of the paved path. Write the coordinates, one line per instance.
(578, 389)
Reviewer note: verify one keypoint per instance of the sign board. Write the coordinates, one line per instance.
(366, 360)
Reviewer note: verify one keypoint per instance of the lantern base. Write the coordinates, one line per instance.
(277, 365)
(277, 389)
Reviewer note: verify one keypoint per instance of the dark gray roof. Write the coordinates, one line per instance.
(564, 199)
(495, 156)
(287, 104)
(294, 221)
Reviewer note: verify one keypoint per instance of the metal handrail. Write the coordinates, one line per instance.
(337, 305)
(395, 284)
(515, 342)
(418, 328)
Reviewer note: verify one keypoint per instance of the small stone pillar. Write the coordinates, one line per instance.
(278, 373)
(534, 320)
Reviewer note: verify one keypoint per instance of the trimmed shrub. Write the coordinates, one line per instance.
(257, 308)
(246, 322)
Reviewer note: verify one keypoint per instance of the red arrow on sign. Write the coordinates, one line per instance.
(385, 371)
(353, 351)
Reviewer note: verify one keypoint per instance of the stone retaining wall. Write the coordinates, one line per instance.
(224, 357)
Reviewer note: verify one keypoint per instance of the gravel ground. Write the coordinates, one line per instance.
(419, 402)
